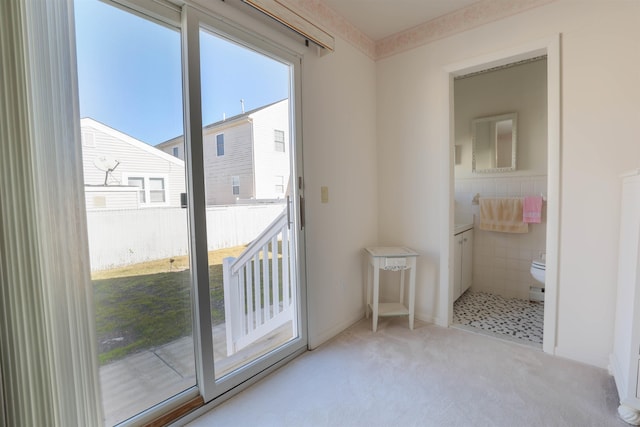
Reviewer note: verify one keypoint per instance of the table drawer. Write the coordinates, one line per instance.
(395, 263)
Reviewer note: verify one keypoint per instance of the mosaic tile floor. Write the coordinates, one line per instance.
(513, 319)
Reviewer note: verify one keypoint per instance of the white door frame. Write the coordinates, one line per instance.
(551, 47)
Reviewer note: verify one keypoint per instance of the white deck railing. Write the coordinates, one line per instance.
(259, 295)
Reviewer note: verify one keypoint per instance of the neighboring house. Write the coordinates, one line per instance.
(123, 172)
(246, 156)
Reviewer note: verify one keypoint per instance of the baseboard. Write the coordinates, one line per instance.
(613, 365)
(597, 362)
(428, 319)
(616, 371)
(316, 341)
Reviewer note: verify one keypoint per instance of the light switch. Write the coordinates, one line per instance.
(324, 194)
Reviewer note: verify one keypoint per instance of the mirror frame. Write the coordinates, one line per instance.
(514, 139)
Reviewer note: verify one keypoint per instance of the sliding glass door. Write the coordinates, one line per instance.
(130, 83)
(192, 179)
(247, 175)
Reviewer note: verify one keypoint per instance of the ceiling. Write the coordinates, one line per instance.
(381, 18)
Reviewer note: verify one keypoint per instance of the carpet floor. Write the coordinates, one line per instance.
(431, 376)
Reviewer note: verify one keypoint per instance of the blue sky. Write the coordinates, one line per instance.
(130, 74)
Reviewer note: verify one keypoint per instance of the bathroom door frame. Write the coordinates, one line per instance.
(551, 47)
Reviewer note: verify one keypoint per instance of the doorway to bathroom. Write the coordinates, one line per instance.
(491, 290)
(504, 299)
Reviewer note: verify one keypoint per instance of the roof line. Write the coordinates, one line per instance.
(88, 121)
(228, 119)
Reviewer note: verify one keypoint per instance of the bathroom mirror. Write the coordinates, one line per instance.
(494, 143)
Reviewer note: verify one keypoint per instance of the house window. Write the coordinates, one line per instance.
(279, 184)
(152, 190)
(235, 185)
(220, 144)
(156, 190)
(88, 139)
(279, 140)
(138, 182)
(176, 152)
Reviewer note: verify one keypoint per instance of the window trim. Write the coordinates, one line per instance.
(278, 143)
(279, 185)
(218, 145)
(147, 177)
(88, 138)
(234, 179)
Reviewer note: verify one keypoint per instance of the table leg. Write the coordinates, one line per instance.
(374, 302)
(368, 291)
(412, 292)
(401, 286)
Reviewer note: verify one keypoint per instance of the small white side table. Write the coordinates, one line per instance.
(395, 259)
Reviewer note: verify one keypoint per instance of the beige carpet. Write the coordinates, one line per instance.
(431, 376)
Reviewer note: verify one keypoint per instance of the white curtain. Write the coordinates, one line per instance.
(47, 342)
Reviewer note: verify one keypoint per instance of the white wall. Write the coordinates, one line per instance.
(340, 153)
(600, 131)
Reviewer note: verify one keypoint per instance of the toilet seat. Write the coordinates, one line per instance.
(539, 265)
(538, 272)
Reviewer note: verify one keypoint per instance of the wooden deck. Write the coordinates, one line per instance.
(139, 381)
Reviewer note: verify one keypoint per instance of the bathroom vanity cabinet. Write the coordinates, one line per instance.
(463, 260)
(625, 359)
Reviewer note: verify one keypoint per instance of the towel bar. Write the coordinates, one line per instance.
(476, 198)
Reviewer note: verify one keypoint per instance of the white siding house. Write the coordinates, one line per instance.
(122, 172)
(246, 156)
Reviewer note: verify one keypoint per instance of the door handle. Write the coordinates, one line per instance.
(301, 212)
(288, 212)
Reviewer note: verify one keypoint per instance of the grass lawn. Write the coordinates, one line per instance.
(149, 304)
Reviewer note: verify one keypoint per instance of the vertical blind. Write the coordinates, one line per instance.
(47, 351)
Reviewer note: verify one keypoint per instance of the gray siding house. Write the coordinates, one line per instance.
(121, 172)
(246, 157)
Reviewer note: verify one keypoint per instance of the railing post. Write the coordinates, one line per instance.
(230, 289)
(266, 279)
(285, 269)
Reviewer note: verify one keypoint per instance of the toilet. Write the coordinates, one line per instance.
(538, 270)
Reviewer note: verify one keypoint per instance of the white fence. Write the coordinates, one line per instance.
(130, 236)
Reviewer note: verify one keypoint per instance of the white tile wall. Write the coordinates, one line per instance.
(501, 261)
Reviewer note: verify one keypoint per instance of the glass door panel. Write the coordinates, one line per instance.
(246, 116)
(129, 72)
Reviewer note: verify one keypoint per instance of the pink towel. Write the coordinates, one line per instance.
(532, 209)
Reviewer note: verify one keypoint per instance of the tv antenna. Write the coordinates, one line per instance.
(107, 164)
